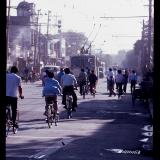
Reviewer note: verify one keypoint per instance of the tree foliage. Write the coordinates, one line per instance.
(74, 42)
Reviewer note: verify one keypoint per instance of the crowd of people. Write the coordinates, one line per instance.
(120, 79)
(65, 82)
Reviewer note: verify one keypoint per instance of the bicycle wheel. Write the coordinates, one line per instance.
(56, 118)
(83, 91)
(93, 92)
(15, 128)
(8, 121)
(69, 106)
(49, 117)
(69, 113)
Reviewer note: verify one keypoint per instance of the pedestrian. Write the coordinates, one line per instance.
(125, 80)
(133, 80)
(109, 75)
(111, 87)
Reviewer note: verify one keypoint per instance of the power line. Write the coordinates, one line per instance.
(126, 17)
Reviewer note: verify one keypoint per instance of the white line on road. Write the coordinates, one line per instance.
(53, 149)
(34, 137)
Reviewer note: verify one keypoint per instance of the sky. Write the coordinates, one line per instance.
(108, 34)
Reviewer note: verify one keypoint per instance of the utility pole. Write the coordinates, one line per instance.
(149, 33)
(7, 34)
(36, 54)
(143, 58)
(46, 55)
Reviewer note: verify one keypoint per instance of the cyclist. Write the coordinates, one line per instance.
(82, 79)
(13, 87)
(44, 76)
(60, 74)
(68, 81)
(92, 81)
(51, 89)
(125, 80)
(111, 86)
(119, 80)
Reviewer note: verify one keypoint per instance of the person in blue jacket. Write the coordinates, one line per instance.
(51, 90)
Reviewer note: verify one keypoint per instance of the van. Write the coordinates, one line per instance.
(51, 68)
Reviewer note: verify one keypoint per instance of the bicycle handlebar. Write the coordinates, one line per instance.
(21, 97)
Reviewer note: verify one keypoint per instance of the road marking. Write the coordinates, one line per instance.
(16, 156)
(52, 149)
(34, 137)
(124, 151)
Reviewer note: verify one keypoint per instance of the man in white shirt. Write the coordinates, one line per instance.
(13, 86)
(68, 81)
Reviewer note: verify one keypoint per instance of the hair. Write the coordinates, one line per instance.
(119, 71)
(133, 71)
(14, 69)
(110, 69)
(67, 70)
(50, 74)
(82, 70)
(92, 71)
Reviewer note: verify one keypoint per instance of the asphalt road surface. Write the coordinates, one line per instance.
(102, 128)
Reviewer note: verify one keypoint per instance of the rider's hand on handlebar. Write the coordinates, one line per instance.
(22, 97)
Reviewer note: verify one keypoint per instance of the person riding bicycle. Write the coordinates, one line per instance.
(92, 81)
(50, 91)
(68, 82)
(60, 74)
(82, 79)
(119, 79)
(44, 76)
(13, 87)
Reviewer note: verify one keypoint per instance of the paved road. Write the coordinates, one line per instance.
(102, 128)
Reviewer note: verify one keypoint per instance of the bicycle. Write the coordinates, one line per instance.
(51, 113)
(84, 91)
(92, 89)
(9, 121)
(69, 101)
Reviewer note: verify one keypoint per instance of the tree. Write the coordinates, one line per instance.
(74, 42)
(131, 60)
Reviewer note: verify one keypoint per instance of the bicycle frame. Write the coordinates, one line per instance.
(9, 121)
(51, 114)
(69, 101)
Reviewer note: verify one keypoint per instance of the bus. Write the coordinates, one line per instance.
(83, 61)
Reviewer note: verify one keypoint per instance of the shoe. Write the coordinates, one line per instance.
(15, 125)
(15, 129)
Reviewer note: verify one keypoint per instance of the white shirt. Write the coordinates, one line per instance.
(68, 80)
(109, 74)
(13, 81)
